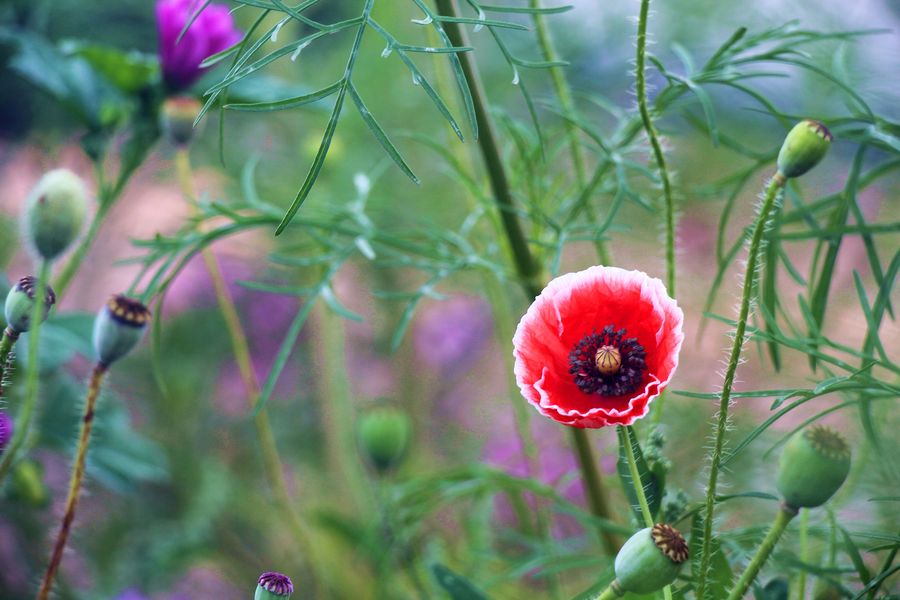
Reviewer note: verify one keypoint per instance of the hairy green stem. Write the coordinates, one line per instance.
(564, 93)
(75, 479)
(804, 552)
(658, 155)
(772, 193)
(32, 380)
(639, 491)
(784, 516)
(527, 267)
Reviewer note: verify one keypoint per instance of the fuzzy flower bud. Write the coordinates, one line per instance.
(273, 586)
(55, 212)
(177, 118)
(118, 328)
(384, 435)
(813, 466)
(6, 430)
(20, 304)
(805, 145)
(650, 559)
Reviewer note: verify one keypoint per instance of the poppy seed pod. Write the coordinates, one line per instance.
(20, 304)
(384, 435)
(273, 586)
(804, 147)
(650, 559)
(813, 466)
(55, 212)
(177, 118)
(118, 328)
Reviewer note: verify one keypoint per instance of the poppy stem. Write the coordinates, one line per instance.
(784, 516)
(77, 476)
(564, 93)
(241, 350)
(7, 341)
(773, 192)
(527, 267)
(32, 379)
(655, 144)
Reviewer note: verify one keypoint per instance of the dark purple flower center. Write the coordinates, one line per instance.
(608, 363)
(276, 583)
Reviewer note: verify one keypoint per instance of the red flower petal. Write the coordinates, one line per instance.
(576, 305)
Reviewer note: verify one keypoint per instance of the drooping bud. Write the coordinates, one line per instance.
(177, 118)
(805, 145)
(6, 430)
(813, 466)
(20, 304)
(118, 328)
(273, 586)
(384, 435)
(55, 212)
(650, 559)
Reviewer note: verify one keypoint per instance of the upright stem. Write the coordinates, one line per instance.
(804, 552)
(772, 193)
(74, 263)
(611, 592)
(7, 341)
(528, 269)
(784, 516)
(658, 155)
(32, 380)
(594, 489)
(241, 349)
(87, 423)
(561, 86)
(639, 492)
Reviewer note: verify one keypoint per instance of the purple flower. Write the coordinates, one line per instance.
(6, 429)
(211, 32)
(451, 335)
(131, 594)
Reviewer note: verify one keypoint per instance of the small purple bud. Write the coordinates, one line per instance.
(272, 586)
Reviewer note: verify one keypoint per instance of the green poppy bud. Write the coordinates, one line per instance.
(55, 212)
(20, 304)
(273, 586)
(805, 145)
(650, 559)
(824, 590)
(813, 466)
(118, 328)
(177, 118)
(776, 589)
(26, 484)
(384, 435)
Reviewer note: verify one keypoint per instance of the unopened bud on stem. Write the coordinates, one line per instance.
(20, 304)
(55, 212)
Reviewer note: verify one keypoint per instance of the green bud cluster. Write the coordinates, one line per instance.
(55, 212)
(650, 560)
(813, 466)
(384, 435)
(20, 303)
(118, 328)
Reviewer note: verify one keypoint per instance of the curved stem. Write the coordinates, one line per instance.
(658, 155)
(241, 350)
(527, 267)
(77, 476)
(772, 193)
(564, 93)
(32, 380)
(784, 516)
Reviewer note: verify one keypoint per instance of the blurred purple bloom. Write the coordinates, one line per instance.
(211, 32)
(451, 334)
(131, 594)
(6, 429)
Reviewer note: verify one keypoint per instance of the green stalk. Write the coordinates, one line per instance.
(527, 268)
(804, 552)
(637, 482)
(32, 381)
(564, 93)
(7, 341)
(611, 592)
(784, 516)
(658, 155)
(772, 193)
(596, 493)
(77, 258)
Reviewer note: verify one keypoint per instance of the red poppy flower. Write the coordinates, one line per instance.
(597, 346)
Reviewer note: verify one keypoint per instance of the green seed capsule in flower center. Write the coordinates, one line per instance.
(608, 360)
